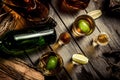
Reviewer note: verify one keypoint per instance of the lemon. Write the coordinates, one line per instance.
(84, 26)
(52, 63)
(81, 59)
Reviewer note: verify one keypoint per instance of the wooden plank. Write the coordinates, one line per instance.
(22, 57)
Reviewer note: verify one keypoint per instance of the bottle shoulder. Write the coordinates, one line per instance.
(52, 38)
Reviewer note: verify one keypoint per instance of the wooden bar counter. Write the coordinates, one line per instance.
(96, 68)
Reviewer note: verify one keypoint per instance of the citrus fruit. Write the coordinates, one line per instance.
(52, 63)
(81, 59)
(84, 26)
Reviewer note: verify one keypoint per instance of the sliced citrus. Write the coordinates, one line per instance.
(81, 59)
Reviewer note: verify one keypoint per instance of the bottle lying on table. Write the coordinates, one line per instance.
(19, 41)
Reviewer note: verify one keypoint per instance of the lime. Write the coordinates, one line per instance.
(52, 63)
(84, 26)
(81, 59)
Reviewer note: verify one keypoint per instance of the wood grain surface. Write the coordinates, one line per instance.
(96, 69)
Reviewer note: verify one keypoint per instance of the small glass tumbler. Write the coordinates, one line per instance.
(63, 39)
(50, 63)
(83, 25)
(102, 39)
(74, 5)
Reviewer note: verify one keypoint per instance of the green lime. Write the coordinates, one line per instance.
(84, 26)
(52, 63)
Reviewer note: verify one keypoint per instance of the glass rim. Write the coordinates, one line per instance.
(55, 71)
(85, 17)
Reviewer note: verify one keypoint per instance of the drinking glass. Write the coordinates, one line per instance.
(83, 25)
(63, 39)
(32, 10)
(102, 39)
(74, 5)
(50, 63)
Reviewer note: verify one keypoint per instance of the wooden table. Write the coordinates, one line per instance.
(96, 68)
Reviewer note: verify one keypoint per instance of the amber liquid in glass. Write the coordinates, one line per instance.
(75, 4)
(76, 30)
(102, 39)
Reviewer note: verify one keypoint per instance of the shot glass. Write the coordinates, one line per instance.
(83, 25)
(63, 39)
(50, 63)
(74, 5)
(102, 39)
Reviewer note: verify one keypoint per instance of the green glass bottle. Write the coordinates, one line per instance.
(17, 41)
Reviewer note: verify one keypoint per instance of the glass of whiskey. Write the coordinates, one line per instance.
(83, 25)
(50, 63)
(74, 5)
(102, 39)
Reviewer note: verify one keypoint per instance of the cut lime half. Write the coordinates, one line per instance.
(81, 59)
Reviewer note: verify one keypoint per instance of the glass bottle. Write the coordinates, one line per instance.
(32, 10)
(17, 41)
